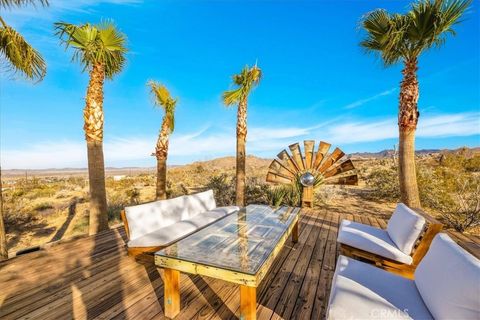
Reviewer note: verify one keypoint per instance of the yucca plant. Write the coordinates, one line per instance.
(403, 38)
(245, 81)
(163, 100)
(100, 49)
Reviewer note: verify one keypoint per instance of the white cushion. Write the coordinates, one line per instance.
(148, 217)
(362, 291)
(448, 278)
(174, 232)
(371, 239)
(199, 202)
(404, 227)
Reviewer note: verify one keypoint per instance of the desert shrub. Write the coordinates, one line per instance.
(223, 188)
(43, 206)
(326, 195)
(384, 184)
(453, 192)
(256, 191)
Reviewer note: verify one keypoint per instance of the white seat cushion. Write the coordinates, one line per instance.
(362, 291)
(145, 218)
(370, 239)
(448, 278)
(199, 202)
(174, 232)
(404, 228)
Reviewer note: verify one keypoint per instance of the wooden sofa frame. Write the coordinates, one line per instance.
(432, 227)
(136, 251)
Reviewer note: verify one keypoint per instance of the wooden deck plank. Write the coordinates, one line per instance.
(93, 278)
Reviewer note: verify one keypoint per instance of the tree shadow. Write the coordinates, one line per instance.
(72, 210)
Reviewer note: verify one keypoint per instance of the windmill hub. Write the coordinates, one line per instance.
(307, 179)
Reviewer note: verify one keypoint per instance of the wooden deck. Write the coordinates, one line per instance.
(93, 278)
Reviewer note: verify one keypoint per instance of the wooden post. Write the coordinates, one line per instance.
(295, 232)
(248, 303)
(172, 292)
(307, 197)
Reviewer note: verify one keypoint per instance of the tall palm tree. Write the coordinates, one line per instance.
(245, 81)
(100, 49)
(21, 57)
(164, 100)
(403, 38)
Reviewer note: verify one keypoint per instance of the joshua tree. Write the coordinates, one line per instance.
(22, 58)
(403, 38)
(163, 99)
(101, 50)
(245, 81)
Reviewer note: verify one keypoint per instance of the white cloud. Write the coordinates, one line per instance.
(23, 15)
(361, 102)
(204, 143)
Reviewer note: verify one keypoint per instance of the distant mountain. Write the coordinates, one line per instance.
(253, 162)
(424, 152)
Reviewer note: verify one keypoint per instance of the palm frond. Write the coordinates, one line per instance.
(162, 98)
(245, 81)
(21, 56)
(7, 4)
(406, 36)
(93, 44)
(232, 97)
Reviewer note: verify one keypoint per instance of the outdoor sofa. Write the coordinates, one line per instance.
(155, 225)
(446, 286)
(399, 248)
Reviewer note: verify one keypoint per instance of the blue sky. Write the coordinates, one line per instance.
(318, 83)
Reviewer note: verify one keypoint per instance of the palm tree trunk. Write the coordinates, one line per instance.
(161, 178)
(241, 153)
(98, 196)
(407, 124)
(93, 116)
(161, 152)
(3, 235)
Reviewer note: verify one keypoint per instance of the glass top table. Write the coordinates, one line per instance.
(240, 243)
(238, 248)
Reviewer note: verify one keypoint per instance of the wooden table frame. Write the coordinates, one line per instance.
(248, 283)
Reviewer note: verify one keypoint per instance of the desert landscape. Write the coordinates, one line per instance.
(45, 206)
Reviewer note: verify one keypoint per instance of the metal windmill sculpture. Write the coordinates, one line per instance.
(312, 167)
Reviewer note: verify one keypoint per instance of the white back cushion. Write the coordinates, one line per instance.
(404, 227)
(199, 202)
(148, 217)
(448, 279)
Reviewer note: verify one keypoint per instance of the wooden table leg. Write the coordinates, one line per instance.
(248, 303)
(295, 232)
(171, 285)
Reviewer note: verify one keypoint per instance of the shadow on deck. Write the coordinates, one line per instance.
(93, 277)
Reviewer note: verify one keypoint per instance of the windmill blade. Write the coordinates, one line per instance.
(276, 178)
(279, 168)
(323, 148)
(285, 158)
(297, 155)
(309, 146)
(331, 159)
(348, 180)
(343, 167)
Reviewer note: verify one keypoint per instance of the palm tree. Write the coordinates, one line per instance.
(101, 50)
(163, 99)
(23, 58)
(404, 37)
(245, 81)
